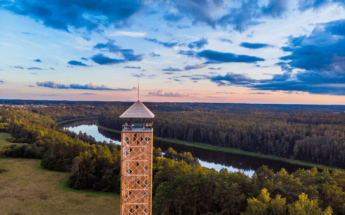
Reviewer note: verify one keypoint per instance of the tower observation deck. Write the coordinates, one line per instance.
(136, 161)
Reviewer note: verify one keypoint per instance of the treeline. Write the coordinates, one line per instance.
(69, 112)
(181, 185)
(187, 106)
(191, 189)
(313, 137)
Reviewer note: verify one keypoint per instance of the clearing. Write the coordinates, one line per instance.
(27, 189)
(3, 137)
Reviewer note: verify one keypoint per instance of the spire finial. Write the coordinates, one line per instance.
(138, 88)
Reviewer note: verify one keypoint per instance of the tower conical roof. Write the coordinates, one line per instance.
(137, 110)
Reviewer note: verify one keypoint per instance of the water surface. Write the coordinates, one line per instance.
(208, 158)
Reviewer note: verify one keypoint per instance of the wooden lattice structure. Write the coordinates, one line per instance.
(136, 173)
(136, 162)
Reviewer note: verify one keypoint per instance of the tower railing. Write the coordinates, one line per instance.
(137, 127)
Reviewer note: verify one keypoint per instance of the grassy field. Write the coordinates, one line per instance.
(26, 188)
(3, 137)
(231, 150)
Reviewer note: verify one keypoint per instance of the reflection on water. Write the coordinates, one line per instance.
(93, 131)
(207, 158)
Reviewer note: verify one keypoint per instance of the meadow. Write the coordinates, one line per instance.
(3, 137)
(25, 188)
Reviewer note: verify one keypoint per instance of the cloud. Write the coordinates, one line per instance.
(182, 26)
(165, 44)
(226, 92)
(197, 66)
(34, 68)
(170, 69)
(138, 75)
(49, 95)
(320, 58)
(225, 40)
(316, 64)
(152, 54)
(189, 53)
(223, 57)
(104, 60)
(38, 60)
(172, 17)
(28, 33)
(89, 14)
(1, 82)
(52, 84)
(18, 67)
(76, 63)
(131, 67)
(51, 68)
(255, 45)
(275, 8)
(34, 73)
(88, 94)
(232, 79)
(166, 94)
(152, 76)
(83, 58)
(261, 93)
(127, 54)
(212, 68)
(126, 33)
(198, 44)
(315, 4)
(91, 86)
(247, 14)
(31, 86)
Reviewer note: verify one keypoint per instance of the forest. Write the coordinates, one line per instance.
(316, 137)
(181, 185)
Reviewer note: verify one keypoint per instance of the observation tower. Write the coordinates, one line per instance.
(136, 161)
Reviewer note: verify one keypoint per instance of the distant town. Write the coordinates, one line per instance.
(22, 106)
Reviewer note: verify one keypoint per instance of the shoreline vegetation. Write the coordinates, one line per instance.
(75, 120)
(216, 148)
(231, 150)
(97, 167)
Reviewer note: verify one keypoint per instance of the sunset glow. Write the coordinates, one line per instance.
(282, 52)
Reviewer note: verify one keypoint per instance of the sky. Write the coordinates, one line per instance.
(239, 51)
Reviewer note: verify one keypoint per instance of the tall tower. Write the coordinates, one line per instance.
(136, 161)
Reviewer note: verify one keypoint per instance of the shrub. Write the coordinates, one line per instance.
(29, 152)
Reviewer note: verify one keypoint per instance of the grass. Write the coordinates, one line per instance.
(232, 150)
(63, 185)
(26, 188)
(3, 137)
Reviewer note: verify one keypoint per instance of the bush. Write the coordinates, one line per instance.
(39, 152)
(29, 152)
(51, 162)
(13, 150)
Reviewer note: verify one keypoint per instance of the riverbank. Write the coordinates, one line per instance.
(230, 150)
(75, 120)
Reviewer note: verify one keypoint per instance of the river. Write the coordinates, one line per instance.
(207, 158)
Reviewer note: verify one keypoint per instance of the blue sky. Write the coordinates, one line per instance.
(273, 51)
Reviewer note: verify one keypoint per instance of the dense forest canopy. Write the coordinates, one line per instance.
(188, 106)
(181, 185)
(317, 137)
